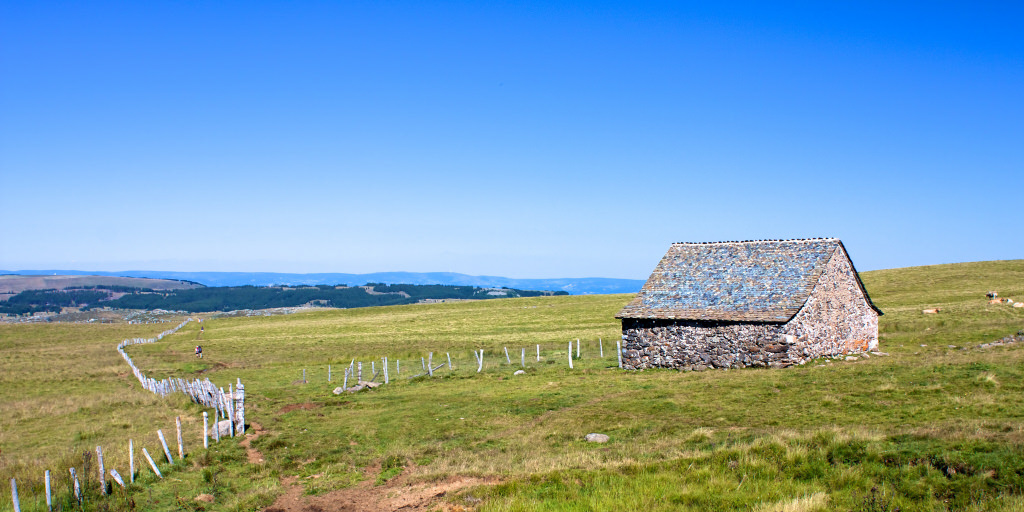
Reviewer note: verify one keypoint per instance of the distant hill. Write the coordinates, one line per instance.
(574, 286)
(14, 284)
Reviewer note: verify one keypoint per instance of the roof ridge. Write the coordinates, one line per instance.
(756, 241)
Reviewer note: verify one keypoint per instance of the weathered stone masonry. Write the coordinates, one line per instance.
(836, 317)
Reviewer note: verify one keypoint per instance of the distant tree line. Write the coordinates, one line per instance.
(39, 301)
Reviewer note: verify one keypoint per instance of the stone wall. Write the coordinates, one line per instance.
(704, 345)
(836, 319)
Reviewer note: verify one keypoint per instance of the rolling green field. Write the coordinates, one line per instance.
(937, 424)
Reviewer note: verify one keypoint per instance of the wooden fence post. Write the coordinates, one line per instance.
(77, 488)
(131, 460)
(423, 364)
(570, 355)
(303, 375)
(240, 405)
(344, 384)
(103, 476)
(117, 477)
(577, 348)
(386, 376)
(14, 496)
(49, 498)
(181, 447)
(206, 430)
(360, 376)
(231, 409)
(151, 463)
(167, 452)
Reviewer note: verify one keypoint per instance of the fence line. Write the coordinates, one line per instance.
(354, 368)
(231, 406)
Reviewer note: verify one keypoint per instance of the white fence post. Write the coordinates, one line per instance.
(103, 477)
(507, 360)
(480, 367)
(131, 460)
(206, 430)
(570, 355)
(14, 496)
(449, 361)
(181, 447)
(49, 498)
(151, 463)
(600, 345)
(239, 407)
(577, 348)
(522, 360)
(538, 353)
(163, 442)
(117, 477)
(328, 374)
(618, 350)
(77, 487)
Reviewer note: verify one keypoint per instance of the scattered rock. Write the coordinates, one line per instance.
(596, 438)
(879, 354)
(222, 428)
(339, 390)
(852, 358)
(924, 345)
(205, 498)
(519, 372)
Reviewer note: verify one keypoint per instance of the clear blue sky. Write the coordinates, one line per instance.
(520, 139)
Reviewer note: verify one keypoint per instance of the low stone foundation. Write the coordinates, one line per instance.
(694, 345)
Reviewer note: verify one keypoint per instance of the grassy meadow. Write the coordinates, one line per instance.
(937, 424)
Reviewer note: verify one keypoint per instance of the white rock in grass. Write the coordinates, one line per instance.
(519, 372)
(596, 438)
(339, 390)
(224, 428)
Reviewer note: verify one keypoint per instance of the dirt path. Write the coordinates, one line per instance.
(253, 455)
(397, 494)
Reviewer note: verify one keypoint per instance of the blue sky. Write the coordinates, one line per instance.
(527, 140)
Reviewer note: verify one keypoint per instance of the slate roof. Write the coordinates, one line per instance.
(762, 281)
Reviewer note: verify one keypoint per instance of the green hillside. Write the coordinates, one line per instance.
(937, 424)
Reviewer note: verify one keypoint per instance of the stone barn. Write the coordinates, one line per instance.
(754, 303)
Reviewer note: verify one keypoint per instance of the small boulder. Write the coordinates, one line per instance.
(339, 390)
(519, 372)
(596, 438)
(852, 358)
(205, 498)
(222, 427)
